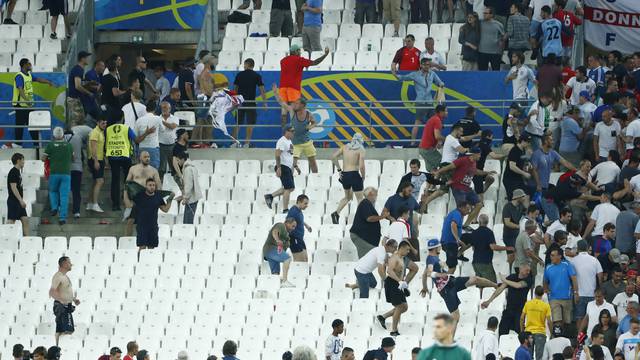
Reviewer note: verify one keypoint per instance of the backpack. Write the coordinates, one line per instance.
(239, 18)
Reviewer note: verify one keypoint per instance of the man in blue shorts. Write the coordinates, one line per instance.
(448, 285)
(452, 234)
(298, 247)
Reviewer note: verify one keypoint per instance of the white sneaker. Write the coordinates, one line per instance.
(126, 214)
(97, 208)
(89, 206)
(286, 284)
(76, 216)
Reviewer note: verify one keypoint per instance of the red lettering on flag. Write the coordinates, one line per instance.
(612, 17)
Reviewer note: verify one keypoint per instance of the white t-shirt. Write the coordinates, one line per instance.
(398, 231)
(633, 130)
(572, 242)
(586, 112)
(168, 136)
(148, 121)
(605, 172)
(520, 83)
(627, 343)
(436, 57)
(555, 226)
(286, 156)
(371, 260)
(536, 122)
(333, 347)
(537, 5)
(606, 140)
(485, 343)
(554, 346)
(587, 269)
(620, 301)
(634, 182)
(579, 86)
(605, 350)
(130, 117)
(196, 77)
(449, 152)
(603, 214)
(593, 311)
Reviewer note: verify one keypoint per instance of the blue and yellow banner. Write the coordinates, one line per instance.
(345, 101)
(149, 14)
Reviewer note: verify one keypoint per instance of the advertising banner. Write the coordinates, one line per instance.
(149, 14)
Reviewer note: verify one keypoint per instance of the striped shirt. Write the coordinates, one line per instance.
(518, 31)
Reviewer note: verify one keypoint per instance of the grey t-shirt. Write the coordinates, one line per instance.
(625, 227)
(523, 243)
(491, 32)
(78, 142)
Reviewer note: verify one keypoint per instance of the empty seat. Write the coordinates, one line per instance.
(329, 31)
(372, 30)
(261, 16)
(369, 44)
(232, 44)
(367, 58)
(28, 45)
(255, 44)
(236, 30)
(351, 31)
(7, 46)
(440, 31)
(229, 57)
(418, 31)
(278, 44)
(31, 32)
(347, 44)
(333, 5)
(11, 32)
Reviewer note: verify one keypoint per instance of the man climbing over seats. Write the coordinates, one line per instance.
(275, 248)
(351, 174)
(396, 288)
(376, 258)
(136, 182)
(417, 178)
(448, 285)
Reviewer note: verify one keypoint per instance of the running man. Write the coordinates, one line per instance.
(285, 163)
(137, 177)
(64, 298)
(396, 288)
(448, 285)
(302, 121)
(352, 175)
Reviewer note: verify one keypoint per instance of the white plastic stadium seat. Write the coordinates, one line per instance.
(418, 31)
(255, 44)
(333, 5)
(351, 31)
(369, 43)
(278, 44)
(10, 32)
(440, 31)
(236, 30)
(347, 44)
(188, 116)
(261, 16)
(227, 57)
(31, 32)
(232, 43)
(373, 30)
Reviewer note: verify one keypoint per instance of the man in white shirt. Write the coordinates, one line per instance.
(621, 301)
(520, 74)
(452, 148)
(147, 129)
(486, 342)
(632, 130)
(376, 258)
(285, 163)
(437, 60)
(597, 338)
(628, 342)
(606, 135)
(602, 214)
(586, 108)
(162, 83)
(594, 307)
(555, 346)
(538, 117)
(606, 173)
(167, 136)
(579, 83)
(335, 343)
(134, 110)
(560, 224)
(588, 274)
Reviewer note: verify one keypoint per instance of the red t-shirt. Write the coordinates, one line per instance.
(569, 21)
(429, 140)
(291, 68)
(408, 59)
(127, 357)
(463, 174)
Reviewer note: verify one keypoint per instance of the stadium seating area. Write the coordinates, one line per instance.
(207, 283)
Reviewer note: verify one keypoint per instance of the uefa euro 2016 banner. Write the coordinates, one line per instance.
(613, 24)
(149, 14)
(344, 101)
(340, 102)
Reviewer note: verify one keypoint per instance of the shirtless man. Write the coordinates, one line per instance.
(64, 298)
(352, 180)
(396, 289)
(448, 285)
(139, 174)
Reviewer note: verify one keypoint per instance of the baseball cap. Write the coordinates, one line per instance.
(518, 193)
(83, 54)
(433, 243)
(294, 47)
(615, 255)
(388, 342)
(516, 106)
(624, 259)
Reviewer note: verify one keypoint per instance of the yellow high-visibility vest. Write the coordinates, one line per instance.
(28, 90)
(118, 143)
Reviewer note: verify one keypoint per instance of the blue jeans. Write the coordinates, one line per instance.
(59, 187)
(550, 209)
(189, 213)
(365, 282)
(155, 156)
(581, 307)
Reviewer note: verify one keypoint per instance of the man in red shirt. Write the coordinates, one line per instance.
(569, 20)
(407, 58)
(132, 351)
(291, 67)
(464, 169)
(432, 139)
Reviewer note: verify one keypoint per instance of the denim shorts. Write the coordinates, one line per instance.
(274, 259)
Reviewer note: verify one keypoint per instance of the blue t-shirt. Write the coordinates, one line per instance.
(76, 71)
(523, 353)
(602, 245)
(312, 19)
(298, 231)
(438, 282)
(20, 81)
(570, 130)
(625, 324)
(89, 102)
(543, 162)
(596, 117)
(558, 276)
(396, 202)
(550, 34)
(447, 236)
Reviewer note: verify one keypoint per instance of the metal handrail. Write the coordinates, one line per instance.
(82, 38)
(209, 31)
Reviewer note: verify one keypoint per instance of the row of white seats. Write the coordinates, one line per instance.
(28, 6)
(30, 46)
(41, 60)
(31, 31)
(329, 30)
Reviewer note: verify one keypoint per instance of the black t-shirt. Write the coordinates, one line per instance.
(606, 263)
(109, 82)
(501, 7)
(247, 81)
(566, 190)
(514, 213)
(627, 173)
(141, 78)
(481, 239)
(516, 298)
(147, 209)
(178, 149)
(367, 231)
(485, 150)
(14, 176)
(518, 156)
(281, 4)
(547, 254)
(185, 76)
(469, 127)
